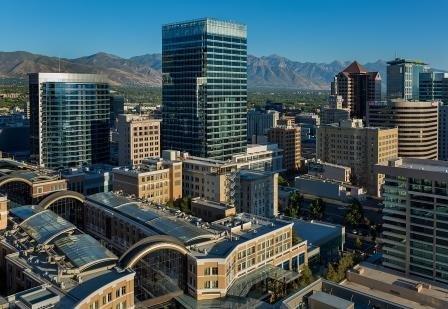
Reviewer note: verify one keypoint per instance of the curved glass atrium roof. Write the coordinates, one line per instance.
(83, 250)
(157, 222)
(45, 225)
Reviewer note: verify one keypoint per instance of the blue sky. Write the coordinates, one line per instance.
(312, 30)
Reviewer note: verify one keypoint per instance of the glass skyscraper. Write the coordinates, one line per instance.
(204, 87)
(69, 121)
(403, 78)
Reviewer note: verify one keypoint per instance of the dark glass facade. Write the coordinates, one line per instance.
(69, 119)
(204, 88)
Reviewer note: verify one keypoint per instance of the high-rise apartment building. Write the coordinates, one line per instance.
(357, 86)
(360, 148)
(415, 217)
(259, 122)
(403, 78)
(433, 86)
(287, 138)
(417, 124)
(204, 107)
(69, 124)
(443, 132)
(138, 139)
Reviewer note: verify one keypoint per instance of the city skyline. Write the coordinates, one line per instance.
(299, 31)
(207, 193)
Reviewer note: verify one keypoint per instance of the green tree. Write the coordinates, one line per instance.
(355, 214)
(291, 212)
(337, 274)
(282, 182)
(183, 204)
(295, 202)
(331, 274)
(306, 276)
(317, 209)
(345, 263)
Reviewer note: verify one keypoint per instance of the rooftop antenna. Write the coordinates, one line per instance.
(59, 64)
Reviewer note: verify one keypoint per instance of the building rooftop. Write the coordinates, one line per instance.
(212, 204)
(405, 290)
(68, 264)
(317, 233)
(355, 67)
(423, 168)
(44, 225)
(402, 61)
(42, 77)
(253, 175)
(235, 231)
(330, 300)
(216, 239)
(83, 251)
(27, 173)
(157, 221)
(95, 169)
(53, 248)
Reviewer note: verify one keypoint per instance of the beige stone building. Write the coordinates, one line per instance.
(360, 148)
(138, 139)
(417, 124)
(287, 138)
(157, 180)
(220, 255)
(206, 178)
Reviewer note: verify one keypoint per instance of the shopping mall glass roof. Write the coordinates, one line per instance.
(83, 250)
(45, 225)
(24, 212)
(156, 221)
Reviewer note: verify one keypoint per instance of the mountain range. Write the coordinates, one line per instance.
(263, 72)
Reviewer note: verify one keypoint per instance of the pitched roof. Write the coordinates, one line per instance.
(355, 67)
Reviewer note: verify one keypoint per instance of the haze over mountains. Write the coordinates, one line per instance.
(269, 72)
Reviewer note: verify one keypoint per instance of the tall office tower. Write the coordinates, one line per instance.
(443, 132)
(69, 120)
(138, 139)
(287, 138)
(433, 86)
(259, 122)
(414, 217)
(204, 90)
(351, 144)
(417, 124)
(403, 78)
(357, 86)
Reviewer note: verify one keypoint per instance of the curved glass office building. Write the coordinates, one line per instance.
(204, 69)
(69, 120)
